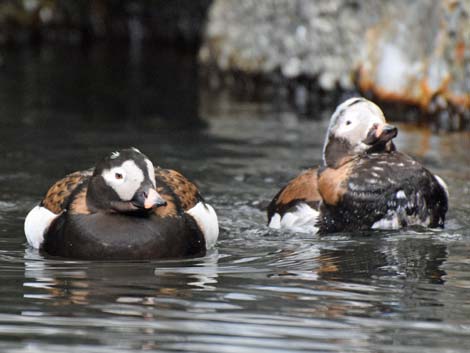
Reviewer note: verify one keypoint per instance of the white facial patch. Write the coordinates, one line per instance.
(352, 120)
(125, 179)
(357, 120)
(151, 171)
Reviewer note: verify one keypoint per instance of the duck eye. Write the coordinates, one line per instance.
(118, 176)
(348, 122)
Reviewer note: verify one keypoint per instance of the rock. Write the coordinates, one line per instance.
(423, 51)
(395, 50)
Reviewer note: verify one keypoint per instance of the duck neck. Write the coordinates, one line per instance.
(95, 203)
(337, 152)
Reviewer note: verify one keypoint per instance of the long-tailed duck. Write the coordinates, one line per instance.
(363, 183)
(124, 208)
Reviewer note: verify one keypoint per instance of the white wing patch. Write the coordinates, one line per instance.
(206, 218)
(302, 219)
(36, 224)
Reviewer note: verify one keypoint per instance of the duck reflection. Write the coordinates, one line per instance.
(388, 258)
(150, 296)
(204, 274)
(382, 277)
(375, 276)
(62, 283)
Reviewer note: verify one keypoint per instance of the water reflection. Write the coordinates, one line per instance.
(352, 277)
(203, 274)
(79, 282)
(99, 85)
(402, 257)
(337, 294)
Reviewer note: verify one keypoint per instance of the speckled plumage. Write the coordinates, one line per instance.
(365, 183)
(176, 189)
(377, 187)
(186, 192)
(57, 197)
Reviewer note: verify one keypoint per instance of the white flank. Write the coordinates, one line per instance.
(275, 221)
(301, 219)
(206, 218)
(391, 221)
(442, 183)
(36, 223)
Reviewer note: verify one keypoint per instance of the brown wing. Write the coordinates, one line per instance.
(58, 195)
(185, 192)
(303, 188)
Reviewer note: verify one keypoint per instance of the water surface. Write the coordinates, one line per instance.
(260, 290)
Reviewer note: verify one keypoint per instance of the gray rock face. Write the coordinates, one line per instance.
(417, 52)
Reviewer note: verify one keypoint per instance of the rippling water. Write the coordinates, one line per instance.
(260, 290)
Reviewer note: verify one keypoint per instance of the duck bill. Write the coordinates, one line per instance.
(380, 134)
(147, 199)
(153, 200)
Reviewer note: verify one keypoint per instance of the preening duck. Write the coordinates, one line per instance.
(363, 182)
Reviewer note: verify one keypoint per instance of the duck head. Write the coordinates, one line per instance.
(357, 126)
(124, 182)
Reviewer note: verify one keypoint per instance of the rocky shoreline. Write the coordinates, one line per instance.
(411, 54)
(412, 57)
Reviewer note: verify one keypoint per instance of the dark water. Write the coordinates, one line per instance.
(259, 290)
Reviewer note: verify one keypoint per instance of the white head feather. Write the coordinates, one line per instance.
(352, 120)
(124, 179)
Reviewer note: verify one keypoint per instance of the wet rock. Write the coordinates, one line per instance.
(298, 37)
(411, 52)
(421, 55)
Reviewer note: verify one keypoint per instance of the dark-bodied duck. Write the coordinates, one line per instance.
(124, 208)
(365, 183)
